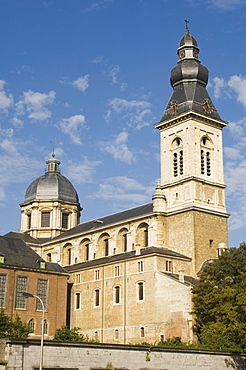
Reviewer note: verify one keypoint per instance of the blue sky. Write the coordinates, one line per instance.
(90, 78)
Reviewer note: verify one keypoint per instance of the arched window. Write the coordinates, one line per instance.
(116, 334)
(206, 154)
(67, 254)
(142, 235)
(84, 248)
(122, 240)
(178, 159)
(45, 327)
(140, 291)
(31, 325)
(142, 334)
(103, 243)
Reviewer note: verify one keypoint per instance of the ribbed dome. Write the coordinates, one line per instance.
(52, 185)
(189, 69)
(187, 40)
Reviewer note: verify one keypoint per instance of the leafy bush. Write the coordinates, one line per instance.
(12, 328)
(71, 335)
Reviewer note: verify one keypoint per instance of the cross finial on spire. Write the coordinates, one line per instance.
(187, 22)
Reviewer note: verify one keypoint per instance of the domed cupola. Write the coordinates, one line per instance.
(189, 80)
(51, 204)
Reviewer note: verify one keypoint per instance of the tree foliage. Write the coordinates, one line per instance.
(72, 335)
(220, 301)
(12, 328)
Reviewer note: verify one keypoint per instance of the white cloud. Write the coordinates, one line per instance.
(238, 84)
(82, 83)
(113, 72)
(81, 172)
(227, 4)
(124, 190)
(232, 153)
(123, 86)
(2, 84)
(219, 83)
(97, 5)
(6, 132)
(117, 148)
(16, 122)
(6, 101)
(135, 113)
(237, 128)
(71, 126)
(15, 163)
(98, 60)
(35, 104)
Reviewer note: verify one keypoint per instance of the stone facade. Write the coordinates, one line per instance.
(131, 273)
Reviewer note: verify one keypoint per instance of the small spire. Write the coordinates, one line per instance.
(186, 26)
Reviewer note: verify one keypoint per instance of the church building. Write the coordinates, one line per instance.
(132, 272)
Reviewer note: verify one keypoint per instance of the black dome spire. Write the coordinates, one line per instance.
(189, 80)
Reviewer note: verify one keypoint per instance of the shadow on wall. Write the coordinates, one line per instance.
(236, 363)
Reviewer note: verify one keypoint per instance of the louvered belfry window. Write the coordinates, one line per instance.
(45, 219)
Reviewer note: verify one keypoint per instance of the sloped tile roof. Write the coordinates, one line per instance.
(18, 254)
(125, 256)
(106, 221)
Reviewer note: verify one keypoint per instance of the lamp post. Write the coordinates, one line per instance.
(42, 332)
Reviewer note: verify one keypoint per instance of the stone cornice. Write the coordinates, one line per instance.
(187, 116)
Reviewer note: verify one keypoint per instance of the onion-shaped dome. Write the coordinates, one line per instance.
(52, 185)
(189, 80)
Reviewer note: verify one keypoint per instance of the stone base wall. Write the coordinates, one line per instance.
(24, 354)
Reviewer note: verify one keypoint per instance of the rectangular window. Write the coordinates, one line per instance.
(97, 297)
(97, 274)
(77, 301)
(140, 266)
(125, 242)
(169, 266)
(3, 285)
(21, 287)
(140, 291)
(65, 220)
(42, 292)
(106, 247)
(117, 294)
(29, 216)
(77, 278)
(87, 252)
(146, 237)
(117, 271)
(45, 219)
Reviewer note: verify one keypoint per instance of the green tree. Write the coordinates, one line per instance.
(220, 301)
(66, 334)
(12, 328)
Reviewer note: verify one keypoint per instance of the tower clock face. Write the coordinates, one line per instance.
(182, 54)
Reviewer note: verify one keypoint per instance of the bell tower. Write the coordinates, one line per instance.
(192, 180)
